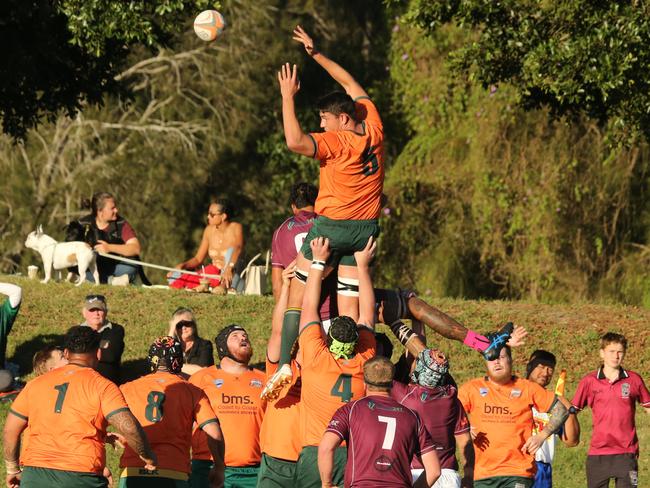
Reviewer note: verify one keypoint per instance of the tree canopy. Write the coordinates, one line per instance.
(576, 57)
(61, 54)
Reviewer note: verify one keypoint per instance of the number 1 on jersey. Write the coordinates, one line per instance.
(343, 388)
(389, 436)
(62, 389)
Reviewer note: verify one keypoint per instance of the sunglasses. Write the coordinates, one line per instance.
(185, 323)
(92, 298)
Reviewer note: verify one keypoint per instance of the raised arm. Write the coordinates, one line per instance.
(273, 346)
(336, 71)
(297, 140)
(366, 291)
(127, 425)
(311, 299)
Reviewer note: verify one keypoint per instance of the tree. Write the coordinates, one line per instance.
(62, 54)
(576, 57)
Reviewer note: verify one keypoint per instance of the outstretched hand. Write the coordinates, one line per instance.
(518, 337)
(288, 78)
(320, 248)
(302, 37)
(364, 257)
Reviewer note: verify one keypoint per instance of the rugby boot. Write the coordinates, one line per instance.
(497, 341)
(275, 383)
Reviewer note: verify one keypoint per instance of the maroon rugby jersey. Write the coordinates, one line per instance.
(288, 238)
(613, 406)
(287, 241)
(441, 413)
(382, 438)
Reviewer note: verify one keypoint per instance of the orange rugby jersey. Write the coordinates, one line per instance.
(166, 406)
(66, 411)
(328, 383)
(502, 416)
(236, 401)
(351, 168)
(280, 434)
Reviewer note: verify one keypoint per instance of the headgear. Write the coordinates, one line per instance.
(431, 367)
(221, 341)
(167, 351)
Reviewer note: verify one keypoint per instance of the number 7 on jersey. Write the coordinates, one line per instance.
(389, 436)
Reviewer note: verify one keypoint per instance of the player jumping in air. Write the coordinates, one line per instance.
(350, 151)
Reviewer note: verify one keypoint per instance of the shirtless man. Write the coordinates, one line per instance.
(223, 241)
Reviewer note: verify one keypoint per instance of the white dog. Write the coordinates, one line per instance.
(62, 255)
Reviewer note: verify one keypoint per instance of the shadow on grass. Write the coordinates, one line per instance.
(24, 352)
(133, 369)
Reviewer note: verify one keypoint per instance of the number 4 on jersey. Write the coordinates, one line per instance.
(343, 388)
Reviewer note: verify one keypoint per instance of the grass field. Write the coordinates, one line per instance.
(570, 331)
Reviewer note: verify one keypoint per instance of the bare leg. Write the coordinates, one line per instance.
(439, 321)
(348, 303)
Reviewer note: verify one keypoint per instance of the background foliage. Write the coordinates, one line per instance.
(514, 171)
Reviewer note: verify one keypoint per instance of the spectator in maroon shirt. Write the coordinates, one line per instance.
(612, 392)
(382, 437)
(108, 233)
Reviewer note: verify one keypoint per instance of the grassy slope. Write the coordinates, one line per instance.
(571, 332)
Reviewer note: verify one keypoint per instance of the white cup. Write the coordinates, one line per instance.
(32, 272)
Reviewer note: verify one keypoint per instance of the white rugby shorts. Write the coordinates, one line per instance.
(449, 478)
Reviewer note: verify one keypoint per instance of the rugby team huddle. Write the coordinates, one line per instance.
(332, 409)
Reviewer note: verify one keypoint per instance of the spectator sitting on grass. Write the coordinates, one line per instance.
(197, 352)
(223, 241)
(107, 232)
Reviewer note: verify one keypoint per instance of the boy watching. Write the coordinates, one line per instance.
(612, 392)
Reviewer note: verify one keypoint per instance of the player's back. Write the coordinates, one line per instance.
(166, 406)
(67, 411)
(352, 168)
(382, 436)
(441, 413)
(289, 236)
(328, 383)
